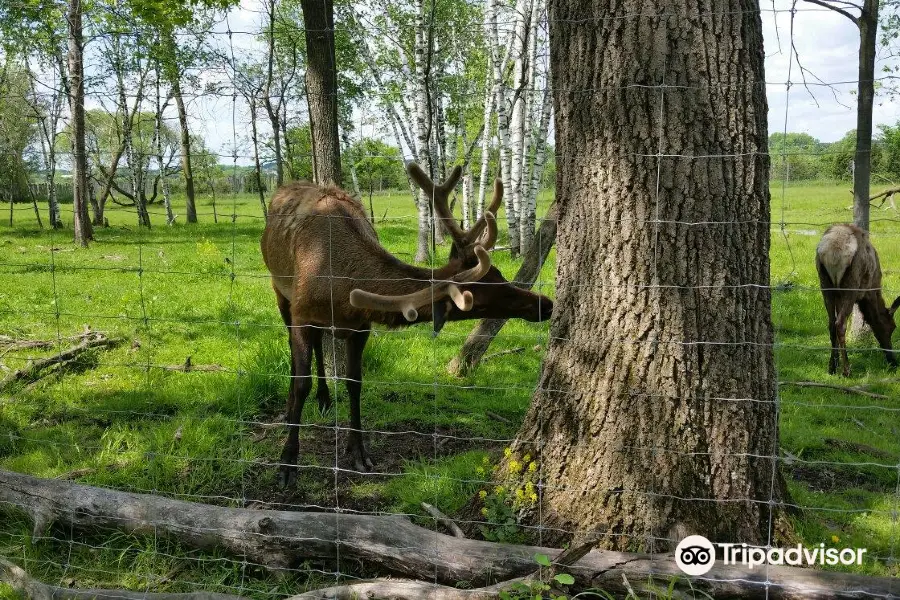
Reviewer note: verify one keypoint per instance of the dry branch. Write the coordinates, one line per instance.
(444, 520)
(281, 539)
(849, 390)
(33, 370)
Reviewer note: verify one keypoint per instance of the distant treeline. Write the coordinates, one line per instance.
(800, 156)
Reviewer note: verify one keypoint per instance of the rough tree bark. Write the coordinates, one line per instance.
(321, 90)
(658, 387)
(481, 336)
(81, 222)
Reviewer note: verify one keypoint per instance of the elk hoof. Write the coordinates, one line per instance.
(325, 402)
(361, 461)
(287, 476)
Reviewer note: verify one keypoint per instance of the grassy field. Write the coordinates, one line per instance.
(127, 418)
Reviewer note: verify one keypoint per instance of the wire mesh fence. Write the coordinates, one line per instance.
(183, 395)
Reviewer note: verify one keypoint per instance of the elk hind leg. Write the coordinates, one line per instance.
(356, 343)
(323, 394)
(301, 383)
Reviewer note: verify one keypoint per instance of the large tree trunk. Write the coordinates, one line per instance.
(658, 389)
(81, 222)
(321, 90)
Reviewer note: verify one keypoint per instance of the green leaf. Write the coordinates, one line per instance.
(564, 579)
(542, 559)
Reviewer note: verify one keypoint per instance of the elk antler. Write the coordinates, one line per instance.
(409, 303)
(440, 194)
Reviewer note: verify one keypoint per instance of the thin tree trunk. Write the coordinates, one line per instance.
(868, 37)
(490, 97)
(257, 168)
(423, 131)
(517, 122)
(538, 159)
(81, 222)
(271, 110)
(174, 80)
(321, 90)
(658, 387)
(481, 336)
(512, 221)
(167, 200)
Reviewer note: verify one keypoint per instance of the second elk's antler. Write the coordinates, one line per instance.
(329, 271)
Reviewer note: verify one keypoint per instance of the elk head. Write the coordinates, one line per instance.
(477, 289)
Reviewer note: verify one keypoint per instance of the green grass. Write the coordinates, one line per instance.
(123, 420)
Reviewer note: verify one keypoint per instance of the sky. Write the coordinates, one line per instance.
(826, 45)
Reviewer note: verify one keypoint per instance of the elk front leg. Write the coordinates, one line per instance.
(868, 306)
(832, 332)
(356, 343)
(301, 383)
(841, 326)
(323, 395)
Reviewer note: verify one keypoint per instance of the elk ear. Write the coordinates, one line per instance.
(420, 178)
(894, 306)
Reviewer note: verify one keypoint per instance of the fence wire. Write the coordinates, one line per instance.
(225, 369)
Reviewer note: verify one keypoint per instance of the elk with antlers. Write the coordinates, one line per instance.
(329, 271)
(849, 273)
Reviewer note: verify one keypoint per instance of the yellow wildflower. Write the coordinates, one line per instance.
(484, 511)
(499, 489)
(507, 452)
(529, 487)
(486, 460)
(532, 467)
(514, 466)
(533, 497)
(835, 539)
(479, 470)
(520, 494)
(482, 494)
(527, 458)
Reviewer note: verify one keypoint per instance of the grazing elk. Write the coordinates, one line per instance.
(849, 273)
(329, 271)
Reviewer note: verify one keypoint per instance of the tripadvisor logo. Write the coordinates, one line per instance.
(696, 555)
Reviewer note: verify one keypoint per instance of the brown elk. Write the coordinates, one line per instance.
(330, 272)
(849, 273)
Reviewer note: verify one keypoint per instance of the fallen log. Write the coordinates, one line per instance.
(33, 370)
(20, 581)
(396, 589)
(281, 539)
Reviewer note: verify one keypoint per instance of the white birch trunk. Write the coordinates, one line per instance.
(157, 130)
(539, 149)
(423, 134)
(530, 125)
(512, 220)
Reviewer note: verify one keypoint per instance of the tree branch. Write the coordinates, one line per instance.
(836, 9)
